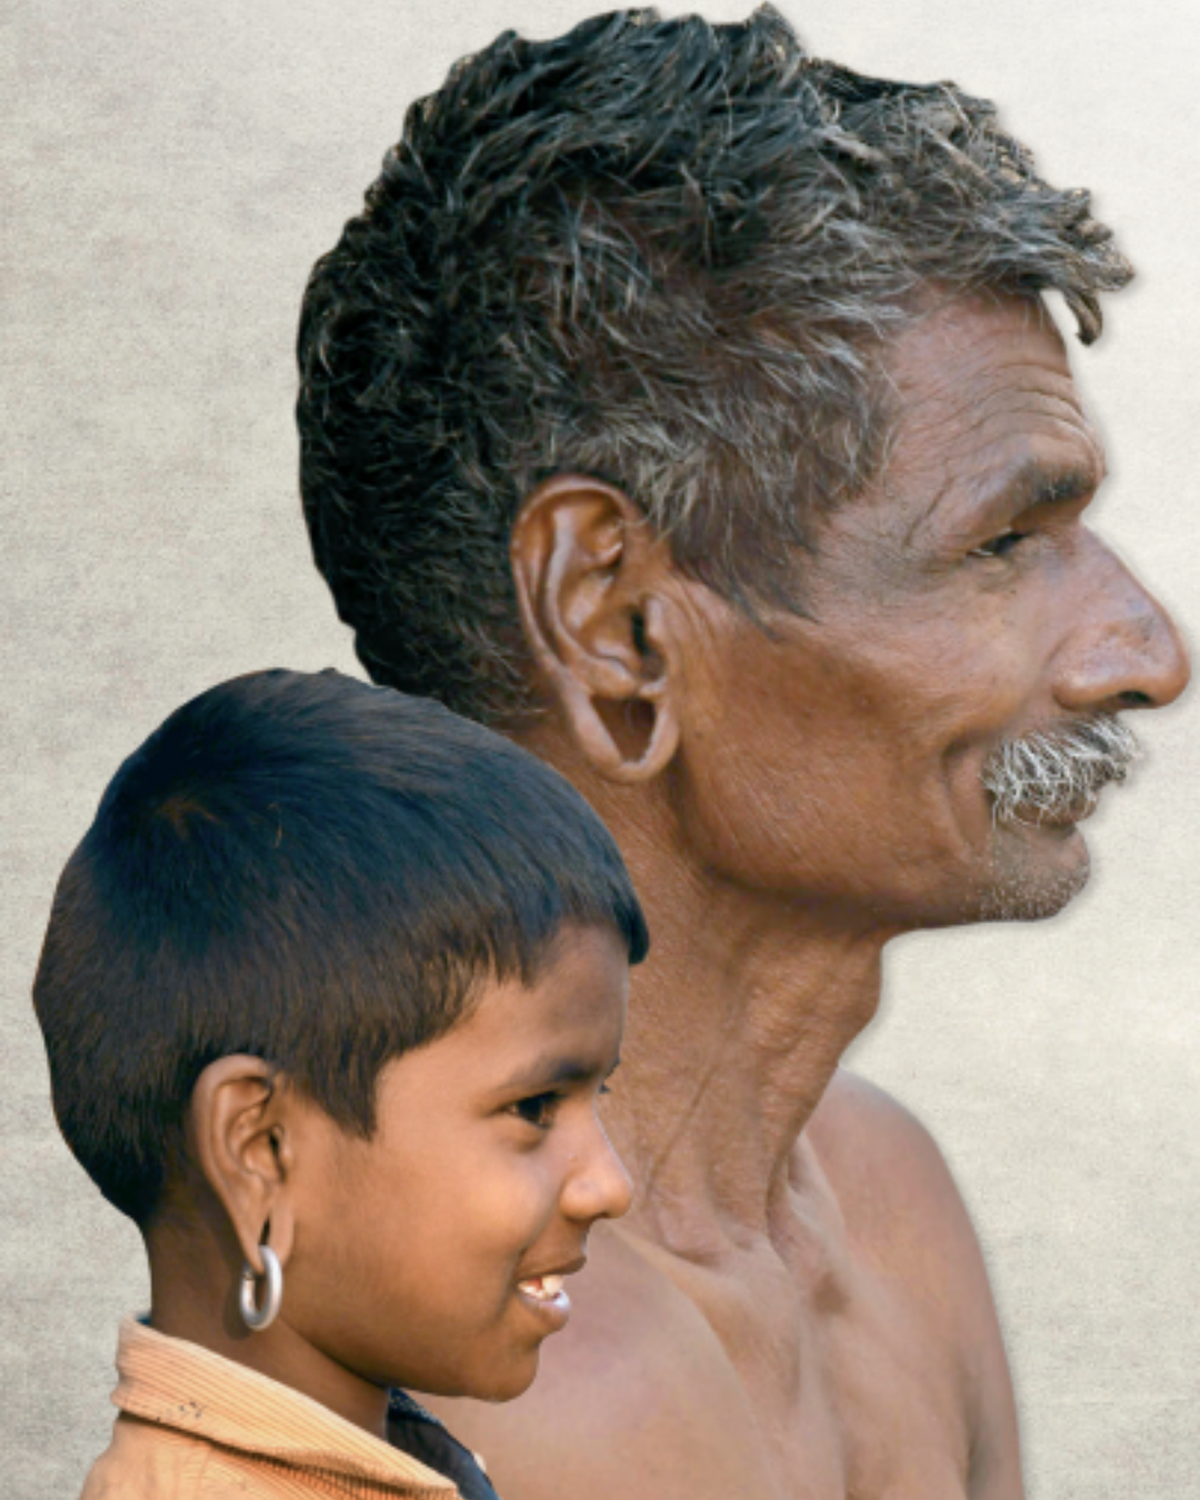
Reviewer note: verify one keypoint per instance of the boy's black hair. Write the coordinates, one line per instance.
(310, 870)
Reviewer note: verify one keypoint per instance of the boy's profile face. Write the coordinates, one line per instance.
(425, 1256)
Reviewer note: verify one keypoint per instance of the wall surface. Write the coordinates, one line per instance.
(173, 171)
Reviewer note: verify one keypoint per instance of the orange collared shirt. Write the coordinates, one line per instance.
(195, 1426)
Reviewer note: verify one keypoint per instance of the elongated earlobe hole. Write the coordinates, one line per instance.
(588, 572)
(610, 732)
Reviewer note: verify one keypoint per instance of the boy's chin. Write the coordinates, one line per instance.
(508, 1384)
(501, 1381)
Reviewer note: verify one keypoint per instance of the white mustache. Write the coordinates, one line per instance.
(1058, 773)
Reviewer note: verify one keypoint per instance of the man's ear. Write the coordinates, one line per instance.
(240, 1132)
(589, 575)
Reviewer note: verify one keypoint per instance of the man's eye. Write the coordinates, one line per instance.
(999, 546)
(538, 1109)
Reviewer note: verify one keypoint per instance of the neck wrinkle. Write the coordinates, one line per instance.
(737, 1023)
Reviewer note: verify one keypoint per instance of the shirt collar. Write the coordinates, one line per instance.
(182, 1385)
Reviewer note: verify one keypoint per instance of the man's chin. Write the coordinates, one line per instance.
(1036, 871)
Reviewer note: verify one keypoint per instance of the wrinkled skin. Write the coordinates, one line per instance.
(796, 1305)
(963, 602)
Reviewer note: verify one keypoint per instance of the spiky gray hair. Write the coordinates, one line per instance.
(665, 253)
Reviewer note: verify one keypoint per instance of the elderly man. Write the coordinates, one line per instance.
(687, 408)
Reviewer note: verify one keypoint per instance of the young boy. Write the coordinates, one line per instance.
(329, 992)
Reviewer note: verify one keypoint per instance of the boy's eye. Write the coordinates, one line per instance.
(999, 546)
(538, 1109)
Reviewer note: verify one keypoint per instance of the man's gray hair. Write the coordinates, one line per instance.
(664, 253)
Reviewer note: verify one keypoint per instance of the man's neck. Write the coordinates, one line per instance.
(736, 1026)
(737, 1022)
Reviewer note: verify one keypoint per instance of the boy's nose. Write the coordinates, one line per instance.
(599, 1187)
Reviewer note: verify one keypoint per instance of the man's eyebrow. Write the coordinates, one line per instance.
(1009, 490)
(1034, 481)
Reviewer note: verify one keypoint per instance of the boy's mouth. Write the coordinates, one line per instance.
(545, 1295)
(546, 1298)
(542, 1288)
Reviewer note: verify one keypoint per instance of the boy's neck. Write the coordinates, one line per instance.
(195, 1269)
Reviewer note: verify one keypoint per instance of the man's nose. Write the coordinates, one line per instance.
(1124, 650)
(598, 1186)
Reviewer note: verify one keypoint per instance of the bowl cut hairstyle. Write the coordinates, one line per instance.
(310, 870)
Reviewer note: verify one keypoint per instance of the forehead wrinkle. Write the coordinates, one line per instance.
(972, 401)
(953, 363)
(963, 410)
(982, 465)
(971, 336)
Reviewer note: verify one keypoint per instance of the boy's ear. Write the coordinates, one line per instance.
(591, 581)
(240, 1127)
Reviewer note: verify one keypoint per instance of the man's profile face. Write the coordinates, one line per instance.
(960, 603)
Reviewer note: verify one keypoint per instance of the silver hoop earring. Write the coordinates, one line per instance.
(258, 1318)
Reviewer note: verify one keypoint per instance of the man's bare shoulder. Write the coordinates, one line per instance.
(900, 1202)
(635, 1396)
(905, 1217)
(870, 1144)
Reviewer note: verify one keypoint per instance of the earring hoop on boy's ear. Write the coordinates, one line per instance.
(258, 1318)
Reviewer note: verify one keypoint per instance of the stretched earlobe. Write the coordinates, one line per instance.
(592, 582)
(629, 736)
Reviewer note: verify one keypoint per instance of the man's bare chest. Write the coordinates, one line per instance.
(878, 1412)
(851, 1390)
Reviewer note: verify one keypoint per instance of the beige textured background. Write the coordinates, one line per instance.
(175, 168)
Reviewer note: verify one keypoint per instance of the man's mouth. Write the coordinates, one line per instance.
(1055, 776)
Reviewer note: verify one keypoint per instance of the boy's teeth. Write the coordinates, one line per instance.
(543, 1287)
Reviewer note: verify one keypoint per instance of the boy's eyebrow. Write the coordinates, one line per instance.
(554, 1068)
